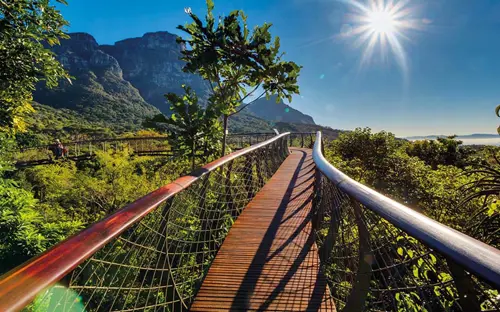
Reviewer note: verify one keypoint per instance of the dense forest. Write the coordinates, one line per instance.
(449, 182)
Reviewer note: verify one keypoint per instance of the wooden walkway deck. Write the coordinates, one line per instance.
(269, 260)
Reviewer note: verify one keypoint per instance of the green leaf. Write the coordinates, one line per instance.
(400, 251)
(415, 271)
(433, 259)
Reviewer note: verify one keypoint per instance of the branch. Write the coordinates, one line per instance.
(258, 98)
(246, 105)
(250, 93)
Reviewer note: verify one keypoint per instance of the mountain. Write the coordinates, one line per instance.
(465, 136)
(151, 63)
(98, 91)
(119, 85)
(278, 112)
(327, 132)
(247, 122)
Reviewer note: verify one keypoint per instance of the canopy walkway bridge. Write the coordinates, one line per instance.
(266, 228)
(139, 146)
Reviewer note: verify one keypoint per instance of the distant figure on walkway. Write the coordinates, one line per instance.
(58, 149)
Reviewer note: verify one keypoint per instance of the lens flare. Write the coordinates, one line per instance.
(383, 24)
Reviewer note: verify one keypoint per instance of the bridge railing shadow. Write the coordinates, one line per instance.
(287, 251)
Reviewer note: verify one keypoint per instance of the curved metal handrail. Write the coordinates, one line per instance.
(475, 256)
(20, 286)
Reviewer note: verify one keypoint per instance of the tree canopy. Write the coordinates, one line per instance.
(236, 61)
(191, 126)
(26, 28)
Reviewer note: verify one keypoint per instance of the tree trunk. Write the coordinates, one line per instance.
(224, 137)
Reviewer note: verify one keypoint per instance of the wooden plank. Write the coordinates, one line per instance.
(269, 259)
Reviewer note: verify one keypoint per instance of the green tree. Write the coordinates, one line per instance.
(192, 127)
(442, 151)
(26, 27)
(234, 60)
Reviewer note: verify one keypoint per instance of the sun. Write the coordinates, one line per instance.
(381, 24)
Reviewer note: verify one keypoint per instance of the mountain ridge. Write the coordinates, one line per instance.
(273, 111)
(123, 83)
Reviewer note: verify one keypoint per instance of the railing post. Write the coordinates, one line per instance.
(284, 146)
(249, 172)
(259, 169)
(228, 190)
(302, 140)
(466, 289)
(357, 298)
(204, 215)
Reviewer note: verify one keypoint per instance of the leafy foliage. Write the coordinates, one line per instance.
(385, 163)
(48, 123)
(192, 126)
(448, 192)
(235, 59)
(484, 189)
(25, 26)
(43, 205)
(443, 151)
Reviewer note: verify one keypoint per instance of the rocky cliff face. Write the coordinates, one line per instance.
(151, 63)
(98, 90)
(81, 53)
(278, 112)
(123, 83)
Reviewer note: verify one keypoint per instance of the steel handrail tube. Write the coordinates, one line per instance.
(472, 254)
(20, 286)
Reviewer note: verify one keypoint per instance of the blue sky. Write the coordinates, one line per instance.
(452, 81)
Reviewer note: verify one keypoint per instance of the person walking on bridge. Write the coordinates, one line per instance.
(58, 149)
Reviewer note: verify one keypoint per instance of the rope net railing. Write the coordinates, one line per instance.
(373, 265)
(88, 148)
(141, 146)
(156, 263)
(296, 139)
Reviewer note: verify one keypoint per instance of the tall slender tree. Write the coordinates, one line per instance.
(236, 61)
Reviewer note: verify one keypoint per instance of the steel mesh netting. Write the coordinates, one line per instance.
(144, 145)
(159, 263)
(305, 140)
(241, 140)
(373, 266)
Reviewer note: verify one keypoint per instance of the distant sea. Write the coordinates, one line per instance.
(475, 141)
(486, 141)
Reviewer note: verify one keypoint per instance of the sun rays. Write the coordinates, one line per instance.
(381, 24)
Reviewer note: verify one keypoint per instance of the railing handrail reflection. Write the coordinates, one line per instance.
(20, 286)
(474, 255)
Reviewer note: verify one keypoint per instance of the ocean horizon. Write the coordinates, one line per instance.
(476, 141)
